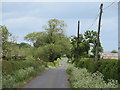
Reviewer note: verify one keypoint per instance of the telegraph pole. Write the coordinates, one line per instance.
(78, 29)
(77, 52)
(99, 25)
(78, 40)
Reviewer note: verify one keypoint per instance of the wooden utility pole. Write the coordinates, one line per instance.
(78, 40)
(98, 40)
(77, 52)
(78, 29)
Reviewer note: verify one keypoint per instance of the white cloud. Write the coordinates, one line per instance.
(108, 34)
(24, 21)
(108, 24)
(7, 14)
(21, 26)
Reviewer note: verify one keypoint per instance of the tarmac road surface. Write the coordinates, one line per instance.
(54, 78)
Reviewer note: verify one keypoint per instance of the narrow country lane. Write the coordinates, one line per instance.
(54, 78)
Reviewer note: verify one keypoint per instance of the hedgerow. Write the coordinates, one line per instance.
(109, 68)
(81, 78)
(15, 73)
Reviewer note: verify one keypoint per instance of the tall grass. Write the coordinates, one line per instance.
(17, 72)
(81, 78)
(11, 81)
(103, 66)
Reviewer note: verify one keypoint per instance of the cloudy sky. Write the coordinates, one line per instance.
(23, 18)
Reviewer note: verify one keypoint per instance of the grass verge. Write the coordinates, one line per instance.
(18, 73)
(81, 78)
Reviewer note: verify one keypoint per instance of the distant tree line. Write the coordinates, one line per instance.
(86, 45)
(50, 44)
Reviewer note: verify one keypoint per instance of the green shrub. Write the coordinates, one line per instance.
(81, 78)
(30, 58)
(16, 72)
(57, 62)
(69, 69)
(114, 51)
(50, 64)
(8, 81)
(109, 68)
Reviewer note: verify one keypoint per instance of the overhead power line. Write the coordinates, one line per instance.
(108, 6)
(95, 19)
(97, 15)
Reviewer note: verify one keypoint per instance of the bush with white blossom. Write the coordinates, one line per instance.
(81, 78)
